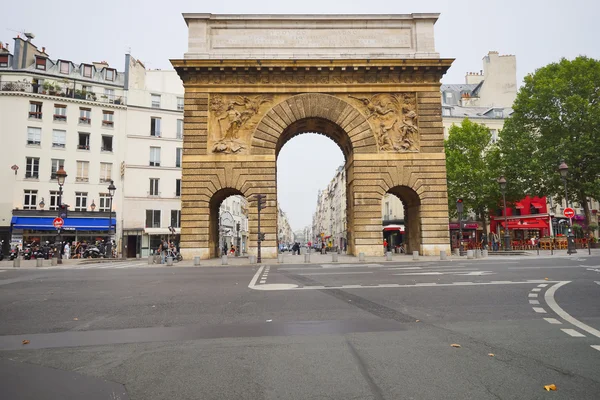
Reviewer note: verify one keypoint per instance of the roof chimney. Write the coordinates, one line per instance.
(43, 50)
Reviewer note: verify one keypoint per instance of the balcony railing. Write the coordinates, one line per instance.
(68, 90)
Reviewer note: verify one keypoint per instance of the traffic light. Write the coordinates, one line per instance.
(459, 205)
(237, 226)
(63, 211)
(261, 201)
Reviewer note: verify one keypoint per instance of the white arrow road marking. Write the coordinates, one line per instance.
(595, 346)
(598, 282)
(549, 296)
(573, 333)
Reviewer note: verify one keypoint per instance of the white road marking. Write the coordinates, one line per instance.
(336, 273)
(252, 283)
(595, 346)
(542, 285)
(351, 265)
(573, 333)
(563, 314)
(598, 282)
(477, 273)
(553, 321)
(421, 273)
(534, 302)
(536, 290)
(473, 273)
(288, 286)
(539, 310)
(501, 281)
(532, 295)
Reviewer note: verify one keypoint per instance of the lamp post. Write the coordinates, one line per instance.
(563, 168)
(61, 176)
(502, 184)
(111, 193)
(93, 206)
(459, 211)
(42, 204)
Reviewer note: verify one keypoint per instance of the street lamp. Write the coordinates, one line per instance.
(563, 168)
(502, 184)
(42, 204)
(61, 176)
(93, 206)
(111, 193)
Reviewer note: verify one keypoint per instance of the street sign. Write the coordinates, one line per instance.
(569, 212)
(58, 222)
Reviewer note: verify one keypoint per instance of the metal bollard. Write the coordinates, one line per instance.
(224, 260)
(196, 261)
(169, 261)
(457, 252)
(307, 258)
(17, 262)
(39, 262)
(484, 254)
(388, 256)
(138, 256)
(443, 255)
(415, 255)
(280, 258)
(54, 261)
(361, 256)
(252, 259)
(150, 260)
(470, 254)
(476, 253)
(334, 257)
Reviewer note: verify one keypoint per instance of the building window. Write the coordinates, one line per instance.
(85, 116)
(105, 172)
(179, 129)
(154, 187)
(34, 136)
(446, 112)
(176, 218)
(83, 168)
(108, 118)
(498, 113)
(59, 138)
(30, 200)
(155, 156)
(32, 168)
(494, 133)
(109, 74)
(60, 112)
(81, 201)
(35, 109)
(56, 163)
(152, 218)
(178, 188)
(65, 67)
(155, 98)
(84, 141)
(4, 61)
(104, 202)
(87, 71)
(107, 143)
(54, 200)
(180, 103)
(40, 63)
(155, 126)
(178, 154)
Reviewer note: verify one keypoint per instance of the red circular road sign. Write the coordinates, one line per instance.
(569, 212)
(58, 223)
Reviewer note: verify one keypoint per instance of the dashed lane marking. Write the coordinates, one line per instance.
(532, 295)
(536, 290)
(553, 321)
(549, 297)
(542, 285)
(573, 333)
(539, 310)
(534, 302)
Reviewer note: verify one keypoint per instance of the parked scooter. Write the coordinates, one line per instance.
(1, 250)
(27, 253)
(14, 253)
(91, 251)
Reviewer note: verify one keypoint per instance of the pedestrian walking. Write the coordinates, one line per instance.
(385, 245)
(484, 241)
(232, 250)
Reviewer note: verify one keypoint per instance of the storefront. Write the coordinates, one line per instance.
(471, 233)
(393, 234)
(152, 238)
(36, 226)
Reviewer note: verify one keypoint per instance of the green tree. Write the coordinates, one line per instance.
(556, 117)
(472, 168)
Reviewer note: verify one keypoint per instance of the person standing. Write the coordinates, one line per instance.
(67, 251)
(385, 245)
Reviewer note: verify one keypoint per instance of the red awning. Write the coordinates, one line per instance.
(536, 224)
(537, 205)
(519, 205)
(393, 227)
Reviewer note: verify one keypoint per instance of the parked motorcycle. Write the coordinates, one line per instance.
(27, 253)
(14, 253)
(1, 250)
(91, 251)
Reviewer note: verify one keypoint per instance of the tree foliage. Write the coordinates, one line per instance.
(556, 117)
(472, 169)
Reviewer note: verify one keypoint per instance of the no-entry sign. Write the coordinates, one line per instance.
(58, 223)
(569, 212)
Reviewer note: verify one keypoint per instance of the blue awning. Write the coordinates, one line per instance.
(78, 224)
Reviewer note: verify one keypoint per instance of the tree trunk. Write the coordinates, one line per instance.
(482, 217)
(586, 211)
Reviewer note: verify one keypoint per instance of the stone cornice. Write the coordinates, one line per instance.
(61, 99)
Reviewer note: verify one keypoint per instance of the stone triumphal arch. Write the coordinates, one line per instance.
(371, 83)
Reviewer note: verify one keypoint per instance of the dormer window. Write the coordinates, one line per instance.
(87, 71)
(65, 67)
(109, 74)
(40, 63)
(498, 113)
(4, 60)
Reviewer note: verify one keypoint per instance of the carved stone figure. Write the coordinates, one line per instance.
(231, 118)
(396, 119)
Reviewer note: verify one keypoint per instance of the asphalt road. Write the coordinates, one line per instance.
(331, 331)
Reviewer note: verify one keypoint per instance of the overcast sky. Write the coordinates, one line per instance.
(536, 31)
